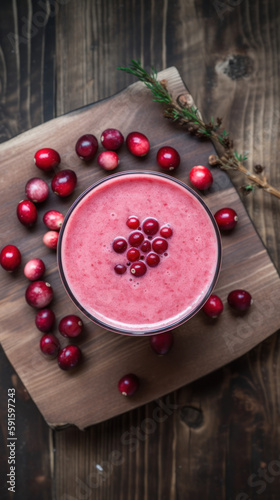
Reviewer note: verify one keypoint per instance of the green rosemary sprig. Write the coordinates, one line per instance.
(159, 92)
(241, 157)
(182, 111)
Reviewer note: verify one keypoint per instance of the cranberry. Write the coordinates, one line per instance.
(120, 244)
(152, 259)
(133, 254)
(34, 269)
(64, 182)
(37, 190)
(70, 326)
(128, 384)
(137, 144)
(10, 258)
(226, 218)
(201, 177)
(53, 220)
(108, 160)
(49, 345)
(146, 246)
(44, 320)
(46, 159)
(120, 269)
(50, 239)
(168, 158)
(86, 147)
(240, 300)
(69, 357)
(162, 342)
(27, 213)
(112, 139)
(136, 238)
(213, 307)
(39, 294)
(133, 222)
(138, 268)
(166, 231)
(150, 226)
(159, 245)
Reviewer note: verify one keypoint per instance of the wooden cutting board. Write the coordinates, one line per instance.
(89, 394)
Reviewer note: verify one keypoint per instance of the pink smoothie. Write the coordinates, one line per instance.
(167, 294)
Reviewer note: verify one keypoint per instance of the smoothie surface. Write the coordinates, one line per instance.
(166, 294)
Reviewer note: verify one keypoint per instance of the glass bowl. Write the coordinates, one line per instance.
(167, 295)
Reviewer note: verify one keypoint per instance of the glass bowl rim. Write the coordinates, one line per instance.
(156, 330)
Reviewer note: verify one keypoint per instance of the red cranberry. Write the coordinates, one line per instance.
(69, 357)
(146, 246)
(159, 245)
(44, 320)
(64, 182)
(138, 268)
(128, 384)
(226, 218)
(150, 226)
(39, 294)
(37, 190)
(133, 254)
(70, 326)
(201, 177)
(240, 300)
(168, 158)
(86, 147)
(137, 144)
(34, 269)
(166, 231)
(10, 258)
(152, 259)
(120, 244)
(162, 342)
(136, 238)
(112, 139)
(213, 307)
(53, 220)
(50, 345)
(27, 213)
(120, 269)
(46, 159)
(108, 160)
(133, 222)
(50, 239)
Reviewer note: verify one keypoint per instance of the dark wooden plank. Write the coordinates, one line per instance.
(32, 455)
(27, 99)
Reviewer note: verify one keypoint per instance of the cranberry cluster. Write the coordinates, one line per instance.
(143, 247)
(39, 294)
(112, 140)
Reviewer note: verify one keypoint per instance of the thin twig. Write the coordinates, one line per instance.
(182, 112)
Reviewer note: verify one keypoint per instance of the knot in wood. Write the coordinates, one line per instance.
(192, 416)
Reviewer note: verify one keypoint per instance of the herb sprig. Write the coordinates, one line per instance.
(182, 111)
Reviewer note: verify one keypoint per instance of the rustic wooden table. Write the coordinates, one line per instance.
(222, 439)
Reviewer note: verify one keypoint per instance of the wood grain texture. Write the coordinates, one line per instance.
(242, 434)
(32, 460)
(108, 356)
